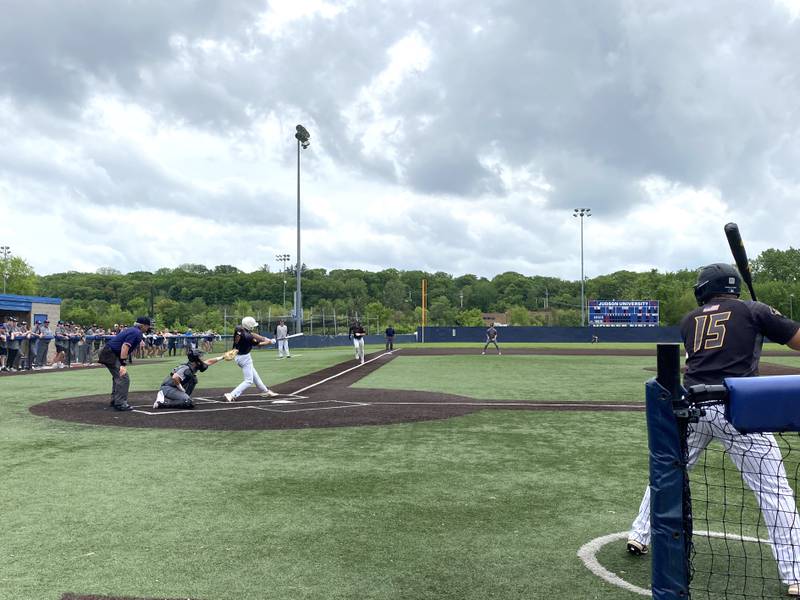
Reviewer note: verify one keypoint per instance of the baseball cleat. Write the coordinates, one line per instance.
(794, 590)
(637, 548)
(229, 397)
(268, 394)
(159, 399)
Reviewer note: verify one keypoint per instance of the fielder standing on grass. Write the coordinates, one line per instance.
(115, 355)
(491, 338)
(357, 334)
(723, 338)
(243, 342)
(176, 390)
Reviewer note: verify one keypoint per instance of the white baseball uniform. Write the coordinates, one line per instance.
(281, 331)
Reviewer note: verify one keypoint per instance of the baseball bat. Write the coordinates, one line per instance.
(293, 335)
(740, 256)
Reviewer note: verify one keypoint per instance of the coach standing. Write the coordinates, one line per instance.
(114, 356)
(389, 338)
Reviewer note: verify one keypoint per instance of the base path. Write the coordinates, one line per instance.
(324, 399)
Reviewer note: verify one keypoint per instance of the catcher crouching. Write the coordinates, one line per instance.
(176, 390)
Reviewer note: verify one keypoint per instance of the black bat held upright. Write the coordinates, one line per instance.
(740, 255)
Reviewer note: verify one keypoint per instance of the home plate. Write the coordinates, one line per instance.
(283, 401)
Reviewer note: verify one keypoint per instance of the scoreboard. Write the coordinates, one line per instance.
(623, 313)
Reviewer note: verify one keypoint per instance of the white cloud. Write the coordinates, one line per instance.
(445, 136)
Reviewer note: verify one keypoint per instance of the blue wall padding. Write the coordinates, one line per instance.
(670, 577)
(552, 334)
(763, 404)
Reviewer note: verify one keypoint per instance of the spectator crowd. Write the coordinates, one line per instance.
(26, 347)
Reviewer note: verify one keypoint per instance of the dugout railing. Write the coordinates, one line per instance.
(723, 515)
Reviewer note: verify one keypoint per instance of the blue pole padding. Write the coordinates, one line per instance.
(763, 404)
(670, 572)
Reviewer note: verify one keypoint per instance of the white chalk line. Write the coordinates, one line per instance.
(522, 403)
(588, 554)
(313, 385)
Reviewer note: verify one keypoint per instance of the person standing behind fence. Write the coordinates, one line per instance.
(62, 345)
(281, 331)
(491, 338)
(13, 342)
(45, 335)
(389, 338)
(115, 356)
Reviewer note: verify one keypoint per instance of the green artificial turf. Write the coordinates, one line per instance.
(492, 505)
(520, 377)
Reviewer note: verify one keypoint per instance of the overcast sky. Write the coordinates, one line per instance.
(446, 135)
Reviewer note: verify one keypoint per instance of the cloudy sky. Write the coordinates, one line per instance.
(446, 135)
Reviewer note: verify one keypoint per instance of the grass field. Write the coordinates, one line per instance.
(492, 505)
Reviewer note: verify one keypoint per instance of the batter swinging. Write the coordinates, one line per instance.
(244, 340)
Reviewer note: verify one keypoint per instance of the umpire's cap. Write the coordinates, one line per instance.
(716, 279)
(143, 321)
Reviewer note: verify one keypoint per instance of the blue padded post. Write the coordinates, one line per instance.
(764, 404)
(670, 566)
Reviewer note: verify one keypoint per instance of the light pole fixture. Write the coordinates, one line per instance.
(303, 138)
(284, 260)
(582, 212)
(6, 252)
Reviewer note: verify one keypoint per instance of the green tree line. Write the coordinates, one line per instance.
(199, 297)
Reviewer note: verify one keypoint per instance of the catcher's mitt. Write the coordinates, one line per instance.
(230, 354)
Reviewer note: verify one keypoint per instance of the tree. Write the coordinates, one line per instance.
(470, 318)
(108, 271)
(19, 277)
(193, 268)
(518, 315)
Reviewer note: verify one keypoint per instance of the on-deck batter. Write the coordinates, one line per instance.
(723, 338)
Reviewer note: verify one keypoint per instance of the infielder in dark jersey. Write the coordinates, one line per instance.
(723, 338)
(357, 334)
(176, 390)
(244, 340)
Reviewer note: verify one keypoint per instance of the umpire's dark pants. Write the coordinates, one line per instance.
(120, 384)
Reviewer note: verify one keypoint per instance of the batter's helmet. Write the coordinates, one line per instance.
(716, 279)
(249, 323)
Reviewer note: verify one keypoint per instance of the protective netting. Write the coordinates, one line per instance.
(746, 538)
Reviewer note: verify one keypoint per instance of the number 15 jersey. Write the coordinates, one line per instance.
(724, 338)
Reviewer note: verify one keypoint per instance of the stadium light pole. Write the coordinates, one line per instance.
(283, 259)
(303, 138)
(791, 310)
(582, 212)
(6, 250)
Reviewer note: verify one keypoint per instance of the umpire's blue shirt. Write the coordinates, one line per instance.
(130, 335)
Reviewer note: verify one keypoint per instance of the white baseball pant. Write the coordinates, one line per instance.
(758, 458)
(283, 347)
(245, 361)
(358, 343)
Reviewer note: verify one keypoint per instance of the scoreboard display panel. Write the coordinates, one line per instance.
(623, 313)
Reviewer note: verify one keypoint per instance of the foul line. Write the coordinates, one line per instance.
(577, 405)
(308, 387)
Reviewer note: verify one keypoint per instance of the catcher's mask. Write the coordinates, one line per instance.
(194, 356)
